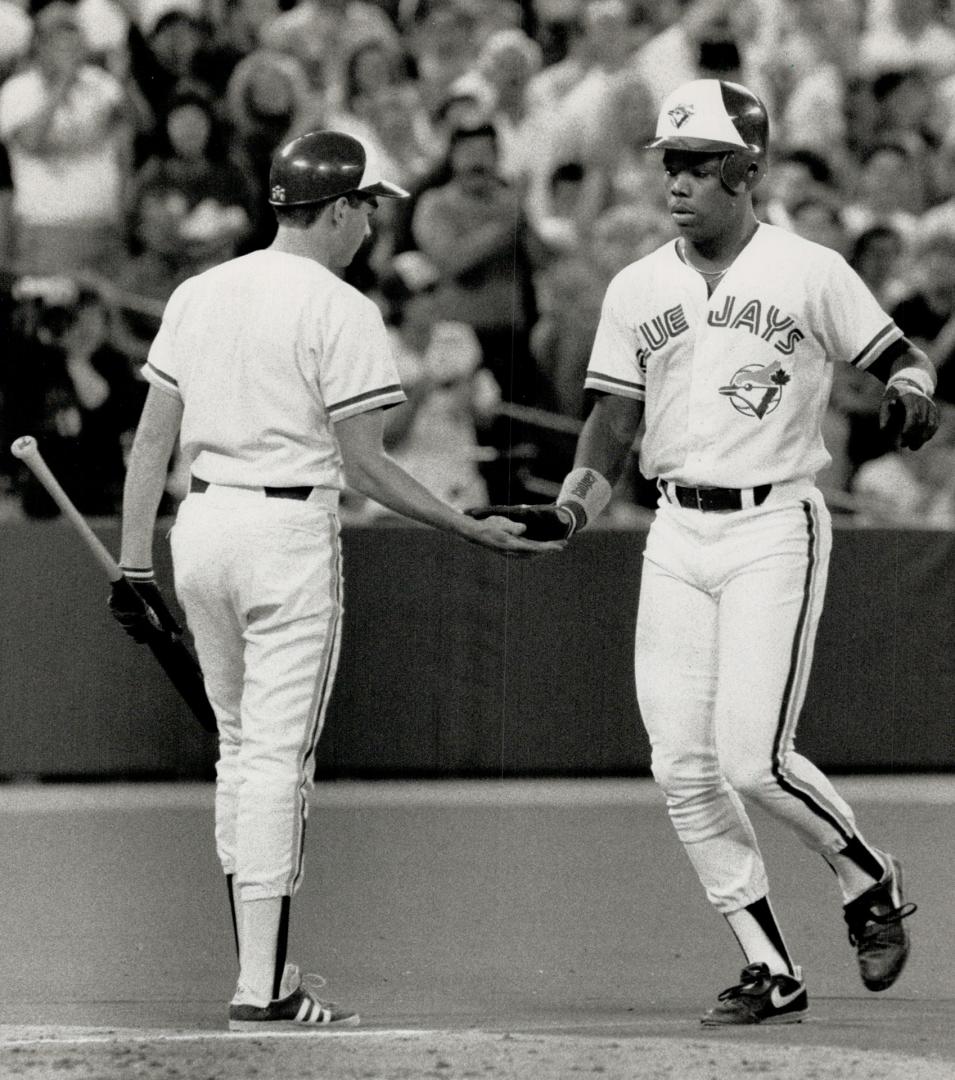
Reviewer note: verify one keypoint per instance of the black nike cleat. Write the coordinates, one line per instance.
(761, 998)
(876, 929)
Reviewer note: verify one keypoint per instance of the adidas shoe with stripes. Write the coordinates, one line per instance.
(296, 1009)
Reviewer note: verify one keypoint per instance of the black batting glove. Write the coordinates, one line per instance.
(541, 521)
(139, 608)
(908, 416)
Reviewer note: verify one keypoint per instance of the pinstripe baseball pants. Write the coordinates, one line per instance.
(729, 605)
(259, 580)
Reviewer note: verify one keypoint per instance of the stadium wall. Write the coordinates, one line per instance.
(458, 663)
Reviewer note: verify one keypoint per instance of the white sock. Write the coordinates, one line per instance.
(853, 882)
(857, 874)
(258, 940)
(757, 945)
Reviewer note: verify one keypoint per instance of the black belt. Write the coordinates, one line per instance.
(299, 493)
(713, 498)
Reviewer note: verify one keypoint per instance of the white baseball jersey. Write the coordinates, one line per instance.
(263, 351)
(736, 384)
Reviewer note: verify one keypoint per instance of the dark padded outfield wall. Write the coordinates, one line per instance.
(457, 662)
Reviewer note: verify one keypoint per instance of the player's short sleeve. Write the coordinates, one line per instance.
(615, 365)
(357, 370)
(162, 367)
(850, 321)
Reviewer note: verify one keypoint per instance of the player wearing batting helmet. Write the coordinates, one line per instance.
(272, 373)
(723, 341)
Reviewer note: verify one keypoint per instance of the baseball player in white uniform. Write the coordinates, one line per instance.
(724, 342)
(273, 373)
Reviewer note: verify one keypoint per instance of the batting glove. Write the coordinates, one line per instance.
(908, 414)
(541, 522)
(136, 603)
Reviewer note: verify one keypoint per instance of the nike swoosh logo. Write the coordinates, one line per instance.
(780, 1000)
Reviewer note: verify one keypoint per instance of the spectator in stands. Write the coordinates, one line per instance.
(889, 192)
(907, 33)
(561, 219)
(807, 69)
(16, 32)
(604, 51)
(570, 293)
(164, 252)
(66, 126)
(434, 434)
(373, 66)
(908, 117)
(902, 489)
(927, 314)
(383, 108)
(268, 98)
(797, 174)
(708, 40)
(619, 168)
(592, 117)
(105, 26)
(441, 37)
(235, 32)
(322, 34)
(506, 64)
(876, 257)
(80, 397)
(166, 46)
(190, 158)
(819, 220)
(472, 229)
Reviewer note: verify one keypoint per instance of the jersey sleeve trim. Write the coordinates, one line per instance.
(371, 399)
(882, 340)
(610, 384)
(158, 378)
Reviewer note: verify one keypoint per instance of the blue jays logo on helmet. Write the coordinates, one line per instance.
(713, 116)
(679, 114)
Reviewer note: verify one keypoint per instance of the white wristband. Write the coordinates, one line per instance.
(914, 379)
(138, 573)
(584, 493)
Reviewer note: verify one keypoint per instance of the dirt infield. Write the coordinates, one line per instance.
(540, 930)
(414, 1055)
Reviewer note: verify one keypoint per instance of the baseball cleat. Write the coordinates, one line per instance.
(296, 1009)
(877, 931)
(761, 998)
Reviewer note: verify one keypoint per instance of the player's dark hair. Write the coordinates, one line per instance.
(867, 238)
(305, 215)
(814, 163)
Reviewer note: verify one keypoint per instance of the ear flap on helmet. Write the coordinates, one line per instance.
(742, 167)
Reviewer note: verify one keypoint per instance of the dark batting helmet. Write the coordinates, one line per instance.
(712, 116)
(322, 165)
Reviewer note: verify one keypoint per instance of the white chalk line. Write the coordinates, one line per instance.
(65, 1036)
(910, 790)
(59, 1037)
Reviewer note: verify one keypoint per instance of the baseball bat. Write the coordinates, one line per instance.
(168, 648)
(26, 449)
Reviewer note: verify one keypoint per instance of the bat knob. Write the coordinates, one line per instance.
(23, 446)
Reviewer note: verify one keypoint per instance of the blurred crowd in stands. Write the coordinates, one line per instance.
(135, 139)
